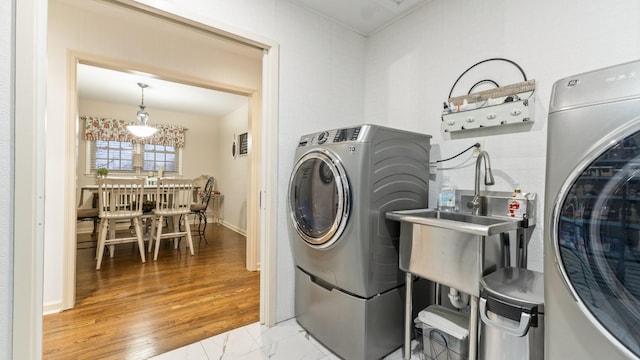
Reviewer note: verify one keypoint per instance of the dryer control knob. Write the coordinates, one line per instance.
(322, 137)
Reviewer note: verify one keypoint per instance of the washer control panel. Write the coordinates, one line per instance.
(350, 134)
(331, 136)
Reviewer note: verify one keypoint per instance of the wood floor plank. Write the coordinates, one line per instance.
(131, 310)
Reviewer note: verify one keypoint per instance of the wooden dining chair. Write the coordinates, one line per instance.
(119, 199)
(90, 214)
(200, 209)
(173, 199)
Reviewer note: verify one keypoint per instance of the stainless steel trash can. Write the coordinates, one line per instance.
(512, 311)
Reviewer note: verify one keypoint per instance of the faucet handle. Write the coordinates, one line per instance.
(474, 203)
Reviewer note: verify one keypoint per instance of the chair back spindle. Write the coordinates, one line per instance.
(120, 197)
(174, 196)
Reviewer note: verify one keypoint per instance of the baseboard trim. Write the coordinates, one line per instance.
(233, 228)
(52, 308)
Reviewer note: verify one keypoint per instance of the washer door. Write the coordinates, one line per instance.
(596, 236)
(319, 198)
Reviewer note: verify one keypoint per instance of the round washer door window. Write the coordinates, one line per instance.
(319, 198)
(597, 239)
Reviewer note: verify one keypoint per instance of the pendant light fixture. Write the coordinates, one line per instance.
(141, 129)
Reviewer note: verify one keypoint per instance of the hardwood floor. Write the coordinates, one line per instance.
(130, 310)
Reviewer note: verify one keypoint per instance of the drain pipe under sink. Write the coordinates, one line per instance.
(457, 298)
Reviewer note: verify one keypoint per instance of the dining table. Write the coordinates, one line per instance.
(148, 188)
(146, 216)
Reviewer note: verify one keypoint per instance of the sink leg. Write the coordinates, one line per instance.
(408, 321)
(473, 328)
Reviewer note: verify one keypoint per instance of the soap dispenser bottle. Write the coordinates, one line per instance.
(447, 196)
(517, 204)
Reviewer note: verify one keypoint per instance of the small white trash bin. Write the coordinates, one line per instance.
(445, 333)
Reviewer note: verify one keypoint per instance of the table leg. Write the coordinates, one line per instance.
(112, 235)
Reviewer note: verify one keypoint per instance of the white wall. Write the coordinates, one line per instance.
(232, 174)
(7, 34)
(102, 31)
(412, 65)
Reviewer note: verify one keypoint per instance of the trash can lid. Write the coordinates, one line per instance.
(451, 322)
(515, 286)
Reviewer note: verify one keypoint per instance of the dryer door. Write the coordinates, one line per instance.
(596, 234)
(319, 198)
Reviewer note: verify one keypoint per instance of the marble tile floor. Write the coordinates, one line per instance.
(287, 341)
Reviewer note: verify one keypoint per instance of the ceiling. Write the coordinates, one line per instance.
(99, 84)
(363, 16)
(94, 83)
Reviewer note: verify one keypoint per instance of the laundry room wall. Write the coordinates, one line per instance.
(7, 51)
(412, 65)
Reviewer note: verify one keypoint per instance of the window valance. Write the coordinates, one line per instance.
(108, 129)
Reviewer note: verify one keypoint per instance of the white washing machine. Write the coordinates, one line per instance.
(592, 216)
(349, 289)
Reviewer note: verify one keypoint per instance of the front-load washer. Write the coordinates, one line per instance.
(592, 216)
(348, 291)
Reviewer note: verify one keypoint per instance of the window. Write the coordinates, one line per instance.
(113, 155)
(117, 156)
(159, 155)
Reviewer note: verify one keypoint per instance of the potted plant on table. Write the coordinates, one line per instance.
(102, 172)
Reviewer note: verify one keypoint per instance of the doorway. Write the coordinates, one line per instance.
(210, 119)
(262, 112)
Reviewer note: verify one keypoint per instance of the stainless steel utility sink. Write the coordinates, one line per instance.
(457, 249)
(454, 249)
(466, 223)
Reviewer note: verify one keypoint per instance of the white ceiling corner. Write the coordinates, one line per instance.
(363, 16)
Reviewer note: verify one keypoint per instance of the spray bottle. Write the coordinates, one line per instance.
(447, 196)
(517, 204)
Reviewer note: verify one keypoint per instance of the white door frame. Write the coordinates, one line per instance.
(28, 119)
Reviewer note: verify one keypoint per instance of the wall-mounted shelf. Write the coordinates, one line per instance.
(512, 104)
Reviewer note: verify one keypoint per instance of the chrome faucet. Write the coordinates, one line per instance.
(474, 204)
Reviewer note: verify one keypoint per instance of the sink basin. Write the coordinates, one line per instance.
(454, 249)
(466, 223)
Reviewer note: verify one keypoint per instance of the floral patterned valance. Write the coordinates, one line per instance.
(109, 129)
